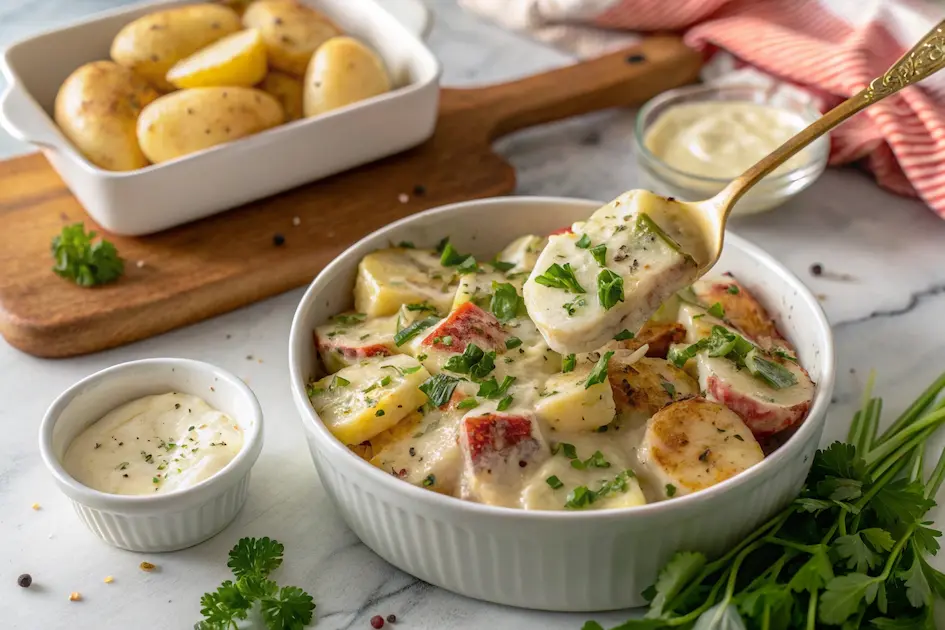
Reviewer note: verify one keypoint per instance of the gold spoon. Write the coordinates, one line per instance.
(924, 59)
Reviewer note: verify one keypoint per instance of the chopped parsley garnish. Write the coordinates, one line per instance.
(568, 362)
(584, 242)
(338, 381)
(505, 403)
(413, 330)
(512, 342)
(670, 388)
(429, 480)
(623, 335)
(403, 371)
(554, 482)
(83, 262)
(506, 303)
(252, 560)
(785, 355)
(670, 490)
(449, 257)
(406, 245)
(599, 252)
(572, 306)
(563, 447)
(599, 373)
(716, 310)
(582, 496)
(558, 277)
(609, 288)
(379, 413)
(491, 388)
(473, 361)
(385, 381)
(349, 319)
(594, 461)
(733, 289)
(467, 403)
(469, 265)
(502, 266)
(422, 307)
(774, 374)
(439, 388)
(447, 340)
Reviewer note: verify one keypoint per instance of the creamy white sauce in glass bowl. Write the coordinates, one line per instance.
(155, 444)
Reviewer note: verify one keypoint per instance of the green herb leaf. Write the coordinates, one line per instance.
(918, 591)
(675, 575)
(669, 388)
(843, 596)
(774, 374)
(467, 403)
(558, 277)
(670, 490)
(224, 606)
(858, 556)
(406, 245)
(900, 503)
(879, 539)
(554, 482)
(623, 335)
(254, 587)
(472, 361)
(599, 252)
(572, 306)
(491, 388)
(512, 342)
(599, 373)
(722, 616)
(609, 288)
(469, 265)
(439, 388)
(505, 403)
(926, 539)
(733, 289)
(255, 556)
(449, 257)
(349, 319)
(584, 242)
(422, 307)
(568, 362)
(935, 578)
(291, 610)
(506, 303)
(717, 311)
(813, 574)
(82, 261)
(502, 266)
(413, 330)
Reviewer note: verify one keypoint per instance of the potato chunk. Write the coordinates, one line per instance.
(740, 307)
(422, 450)
(570, 406)
(390, 278)
(647, 385)
(360, 401)
(350, 338)
(694, 444)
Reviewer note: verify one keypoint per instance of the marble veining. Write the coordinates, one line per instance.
(887, 316)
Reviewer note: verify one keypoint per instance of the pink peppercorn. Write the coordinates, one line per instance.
(377, 622)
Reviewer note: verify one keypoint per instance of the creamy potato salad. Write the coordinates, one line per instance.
(441, 378)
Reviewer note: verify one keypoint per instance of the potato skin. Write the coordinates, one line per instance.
(287, 89)
(97, 108)
(292, 32)
(342, 71)
(188, 121)
(153, 43)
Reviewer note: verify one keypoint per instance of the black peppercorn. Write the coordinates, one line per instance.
(419, 190)
(278, 240)
(816, 269)
(25, 580)
(637, 58)
(391, 618)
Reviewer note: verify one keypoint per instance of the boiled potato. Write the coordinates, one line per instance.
(288, 90)
(236, 60)
(292, 32)
(239, 6)
(153, 43)
(342, 71)
(97, 108)
(188, 121)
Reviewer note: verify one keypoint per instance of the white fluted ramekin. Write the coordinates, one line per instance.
(570, 561)
(165, 522)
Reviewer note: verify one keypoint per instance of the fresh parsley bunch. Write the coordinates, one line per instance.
(850, 552)
(252, 560)
(82, 261)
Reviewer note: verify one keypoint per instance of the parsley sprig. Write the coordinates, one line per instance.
(252, 560)
(850, 552)
(82, 261)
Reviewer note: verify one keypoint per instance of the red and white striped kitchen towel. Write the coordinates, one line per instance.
(830, 48)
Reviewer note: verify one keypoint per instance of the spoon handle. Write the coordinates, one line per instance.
(924, 59)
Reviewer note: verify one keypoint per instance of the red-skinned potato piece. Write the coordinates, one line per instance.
(467, 324)
(498, 451)
(765, 410)
(564, 230)
(658, 336)
(741, 308)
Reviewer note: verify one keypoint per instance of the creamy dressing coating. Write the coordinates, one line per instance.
(153, 445)
(722, 139)
(512, 449)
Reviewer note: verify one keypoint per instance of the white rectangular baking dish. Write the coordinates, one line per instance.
(165, 195)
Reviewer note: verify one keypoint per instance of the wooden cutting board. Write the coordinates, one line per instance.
(230, 260)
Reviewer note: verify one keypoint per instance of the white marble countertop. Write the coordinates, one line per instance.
(889, 317)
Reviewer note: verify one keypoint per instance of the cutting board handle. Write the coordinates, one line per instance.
(627, 77)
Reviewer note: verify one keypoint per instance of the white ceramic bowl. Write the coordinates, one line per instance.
(169, 521)
(571, 561)
(164, 195)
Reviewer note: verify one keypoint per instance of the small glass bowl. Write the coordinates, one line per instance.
(767, 194)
